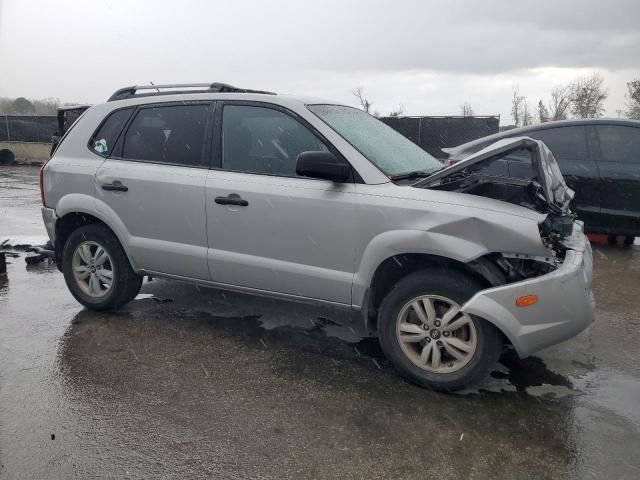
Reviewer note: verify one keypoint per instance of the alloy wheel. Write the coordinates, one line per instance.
(92, 269)
(435, 335)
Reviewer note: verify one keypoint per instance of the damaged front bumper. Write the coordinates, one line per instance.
(565, 303)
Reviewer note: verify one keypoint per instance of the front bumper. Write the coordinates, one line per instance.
(49, 217)
(565, 304)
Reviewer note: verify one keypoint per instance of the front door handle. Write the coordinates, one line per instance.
(231, 199)
(116, 186)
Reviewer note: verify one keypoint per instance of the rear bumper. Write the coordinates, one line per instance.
(49, 217)
(565, 304)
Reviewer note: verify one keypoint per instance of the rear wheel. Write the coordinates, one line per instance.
(97, 270)
(628, 240)
(427, 338)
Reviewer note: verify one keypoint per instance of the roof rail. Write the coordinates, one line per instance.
(129, 92)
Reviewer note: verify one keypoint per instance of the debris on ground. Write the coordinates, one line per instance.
(39, 254)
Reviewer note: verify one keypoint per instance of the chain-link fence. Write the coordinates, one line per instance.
(27, 128)
(435, 133)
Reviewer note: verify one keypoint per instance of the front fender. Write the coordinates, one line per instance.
(461, 238)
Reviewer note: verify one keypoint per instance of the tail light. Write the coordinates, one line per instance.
(44, 202)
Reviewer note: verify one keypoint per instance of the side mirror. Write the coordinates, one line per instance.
(322, 165)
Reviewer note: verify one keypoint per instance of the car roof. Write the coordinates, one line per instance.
(524, 131)
(141, 94)
(283, 100)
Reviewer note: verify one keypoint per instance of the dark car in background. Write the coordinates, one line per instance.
(600, 161)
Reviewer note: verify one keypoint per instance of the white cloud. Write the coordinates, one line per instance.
(428, 55)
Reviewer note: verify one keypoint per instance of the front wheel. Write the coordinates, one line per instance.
(426, 337)
(97, 270)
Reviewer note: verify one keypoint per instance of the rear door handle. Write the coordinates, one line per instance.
(116, 186)
(231, 199)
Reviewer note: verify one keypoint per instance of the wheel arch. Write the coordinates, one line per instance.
(76, 218)
(398, 266)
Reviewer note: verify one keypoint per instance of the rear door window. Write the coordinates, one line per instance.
(566, 143)
(167, 134)
(619, 143)
(104, 139)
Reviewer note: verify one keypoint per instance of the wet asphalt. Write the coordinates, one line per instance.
(189, 382)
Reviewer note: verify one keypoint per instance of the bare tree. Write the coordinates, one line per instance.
(520, 111)
(516, 106)
(466, 109)
(527, 116)
(560, 103)
(587, 96)
(398, 112)
(633, 99)
(543, 112)
(362, 99)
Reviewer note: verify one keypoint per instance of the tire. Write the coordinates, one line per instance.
(628, 240)
(481, 340)
(81, 257)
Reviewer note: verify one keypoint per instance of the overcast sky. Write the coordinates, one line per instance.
(430, 56)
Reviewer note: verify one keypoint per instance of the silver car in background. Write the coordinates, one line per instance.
(308, 200)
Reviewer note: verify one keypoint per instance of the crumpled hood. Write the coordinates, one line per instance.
(555, 189)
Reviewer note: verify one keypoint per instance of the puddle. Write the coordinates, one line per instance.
(143, 296)
(612, 391)
(552, 391)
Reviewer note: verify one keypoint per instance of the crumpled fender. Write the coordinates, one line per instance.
(454, 237)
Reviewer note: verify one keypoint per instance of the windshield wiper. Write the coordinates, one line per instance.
(414, 174)
(411, 175)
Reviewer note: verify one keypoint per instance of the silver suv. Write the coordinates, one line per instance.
(309, 200)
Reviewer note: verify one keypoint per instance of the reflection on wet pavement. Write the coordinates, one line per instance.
(190, 382)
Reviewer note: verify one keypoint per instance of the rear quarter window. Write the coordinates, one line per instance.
(105, 137)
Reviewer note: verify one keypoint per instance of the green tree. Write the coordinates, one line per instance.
(587, 96)
(633, 99)
(22, 106)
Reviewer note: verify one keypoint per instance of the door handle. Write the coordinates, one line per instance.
(116, 186)
(231, 199)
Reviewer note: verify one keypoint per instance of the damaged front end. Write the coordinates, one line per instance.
(555, 281)
(521, 171)
(561, 286)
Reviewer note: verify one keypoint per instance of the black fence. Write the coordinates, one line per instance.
(27, 128)
(430, 133)
(435, 133)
